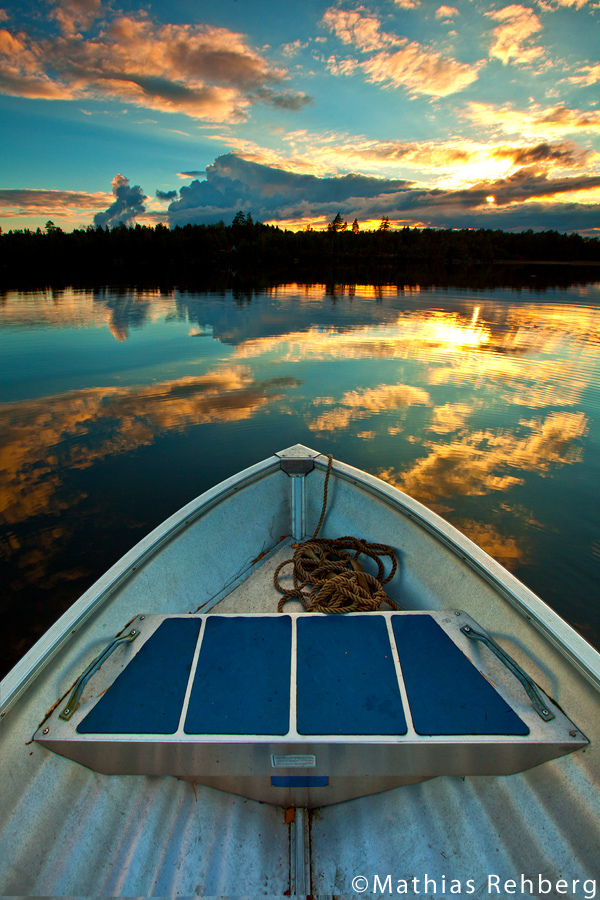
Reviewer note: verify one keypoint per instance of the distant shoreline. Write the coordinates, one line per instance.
(257, 254)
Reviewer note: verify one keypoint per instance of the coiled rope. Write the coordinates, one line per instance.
(328, 577)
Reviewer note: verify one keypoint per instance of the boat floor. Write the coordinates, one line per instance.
(258, 594)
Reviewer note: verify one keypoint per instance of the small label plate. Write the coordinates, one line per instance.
(293, 761)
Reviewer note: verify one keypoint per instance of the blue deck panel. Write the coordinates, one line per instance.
(242, 680)
(446, 693)
(147, 697)
(346, 678)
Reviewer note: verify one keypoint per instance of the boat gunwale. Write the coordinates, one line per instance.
(24, 673)
(579, 652)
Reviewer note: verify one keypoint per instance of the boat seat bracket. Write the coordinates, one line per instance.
(73, 701)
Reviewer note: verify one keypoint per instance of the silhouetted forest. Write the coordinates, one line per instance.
(195, 254)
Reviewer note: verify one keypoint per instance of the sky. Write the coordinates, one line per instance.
(479, 114)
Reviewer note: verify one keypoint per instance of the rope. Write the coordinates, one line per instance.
(328, 577)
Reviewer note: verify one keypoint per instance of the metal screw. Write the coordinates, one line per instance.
(573, 733)
(133, 631)
(142, 617)
(544, 712)
(457, 613)
(45, 731)
(66, 711)
(467, 628)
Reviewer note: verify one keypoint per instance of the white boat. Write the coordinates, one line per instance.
(447, 748)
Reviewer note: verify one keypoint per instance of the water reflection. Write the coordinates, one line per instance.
(483, 406)
(484, 461)
(117, 310)
(43, 439)
(358, 404)
(506, 549)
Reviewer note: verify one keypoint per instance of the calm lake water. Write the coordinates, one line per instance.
(117, 407)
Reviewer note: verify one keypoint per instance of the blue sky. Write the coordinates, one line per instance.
(473, 113)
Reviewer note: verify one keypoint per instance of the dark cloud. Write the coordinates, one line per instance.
(523, 200)
(129, 203)
(166, 195)
(527, 184)
(567, 153)
(233, 183)
(287, 100)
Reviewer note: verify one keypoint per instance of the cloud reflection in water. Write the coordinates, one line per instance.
(41, 439)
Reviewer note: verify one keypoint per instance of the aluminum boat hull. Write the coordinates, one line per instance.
(66, 830)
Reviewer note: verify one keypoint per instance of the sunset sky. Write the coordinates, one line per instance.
(475, 114)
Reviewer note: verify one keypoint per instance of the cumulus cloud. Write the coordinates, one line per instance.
(396, 62)
(202, 71)
(512, 37)
(233, 183)
(273, 194)
(166, 195)
(128, 203)
(446, 12)
(75, 14)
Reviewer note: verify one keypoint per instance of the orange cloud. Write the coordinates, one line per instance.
(203, 71)
(450, 164)
(587, 75)
(511, 37)
(75, 14)
(576, 3)
(419, 69)
(537, 122)
(446, 12)
(357, 27)
(49, 202)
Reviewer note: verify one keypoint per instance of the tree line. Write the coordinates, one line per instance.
(96, 254)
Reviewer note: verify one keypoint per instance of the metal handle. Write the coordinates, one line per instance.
(73, 701)
(538, 704)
